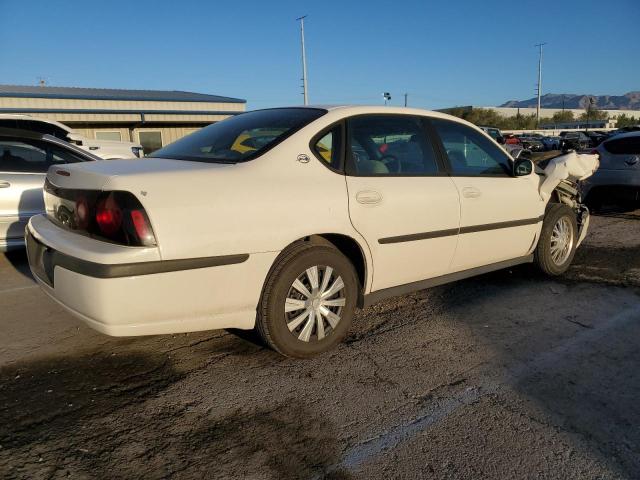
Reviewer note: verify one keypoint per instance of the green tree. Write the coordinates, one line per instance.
(625, 120)
(594, 114)
(562, 117)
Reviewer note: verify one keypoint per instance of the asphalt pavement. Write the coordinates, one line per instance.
(507, 375)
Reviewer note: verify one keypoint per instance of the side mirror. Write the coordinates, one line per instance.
(500, 140)
(522, 167)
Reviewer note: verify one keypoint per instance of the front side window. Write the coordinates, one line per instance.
(389, 145)
(22, 157)
(240, 138)
(471, 153)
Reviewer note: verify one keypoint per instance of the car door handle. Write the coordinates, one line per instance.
(471, 192)
(5, 184)
(368, 197)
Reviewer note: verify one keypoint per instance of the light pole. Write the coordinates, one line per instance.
(304, 61)
(539, 45)
(387, 97)
(591, 102)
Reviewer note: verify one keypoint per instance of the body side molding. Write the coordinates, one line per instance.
(459, 231)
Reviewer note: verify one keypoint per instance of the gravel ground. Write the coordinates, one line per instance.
(508, 375)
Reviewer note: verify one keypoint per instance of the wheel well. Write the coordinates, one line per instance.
(349, 248)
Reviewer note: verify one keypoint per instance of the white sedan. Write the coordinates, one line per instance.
(285, 220)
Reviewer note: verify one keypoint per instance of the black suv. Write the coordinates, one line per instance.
(574, 141)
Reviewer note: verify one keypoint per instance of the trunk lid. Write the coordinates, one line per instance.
(121, 174)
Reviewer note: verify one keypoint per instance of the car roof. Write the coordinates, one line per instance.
(625, 135)
(19, 116)
(349, 110)
(19, 133)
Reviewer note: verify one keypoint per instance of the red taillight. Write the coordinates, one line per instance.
(141, 226)
(115, 216)
(108, 216)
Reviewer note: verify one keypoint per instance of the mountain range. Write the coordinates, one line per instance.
(628, 101)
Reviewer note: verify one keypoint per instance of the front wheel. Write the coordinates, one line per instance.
(557, 244)
(308, 301)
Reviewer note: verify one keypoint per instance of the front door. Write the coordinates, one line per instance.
(501, 213)
(400, 200)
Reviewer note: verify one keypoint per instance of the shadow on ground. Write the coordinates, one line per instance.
(18, 259)
(101, 416)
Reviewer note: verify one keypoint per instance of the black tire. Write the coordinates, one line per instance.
(543, 256)
(271, 321)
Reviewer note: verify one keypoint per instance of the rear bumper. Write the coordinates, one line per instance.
(151, 297)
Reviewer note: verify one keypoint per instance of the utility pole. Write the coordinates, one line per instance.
(304, 61)
(539, 45)
(591, 102)
(405, 99)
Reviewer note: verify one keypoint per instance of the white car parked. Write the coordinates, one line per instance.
(105, 149)
(286, 220)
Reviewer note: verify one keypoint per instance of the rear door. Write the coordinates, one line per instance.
(500, 213)
(400, 199)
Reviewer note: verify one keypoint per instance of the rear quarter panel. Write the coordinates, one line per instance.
(259, 206)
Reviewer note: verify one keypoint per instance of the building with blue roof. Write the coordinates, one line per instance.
(152, 118)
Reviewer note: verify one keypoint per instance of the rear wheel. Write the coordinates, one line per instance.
(557, 244)
(308, 301)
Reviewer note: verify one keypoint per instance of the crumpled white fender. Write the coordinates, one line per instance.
(571, 166)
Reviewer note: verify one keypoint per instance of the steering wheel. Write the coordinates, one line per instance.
(389, 160)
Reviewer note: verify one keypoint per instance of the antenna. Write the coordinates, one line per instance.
(304, 61)
(539, 88)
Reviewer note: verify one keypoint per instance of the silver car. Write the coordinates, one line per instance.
(617, 181)
(25, 158)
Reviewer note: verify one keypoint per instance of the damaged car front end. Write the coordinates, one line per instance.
(560, 182)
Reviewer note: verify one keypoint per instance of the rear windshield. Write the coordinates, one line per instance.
(240, 138)
(623, 146)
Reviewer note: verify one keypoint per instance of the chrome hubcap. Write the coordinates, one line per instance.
(314, 304)
(561, 241)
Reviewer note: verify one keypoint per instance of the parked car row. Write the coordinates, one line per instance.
(617, 181)
(29, 146)
(106, 149)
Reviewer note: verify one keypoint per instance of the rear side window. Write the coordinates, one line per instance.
(240, 138)
(389, 145)
(22, 158)
(328, 148)
(469, 152)
(623, 146)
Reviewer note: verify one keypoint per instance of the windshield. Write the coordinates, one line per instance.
(493, 133)
(240, 138)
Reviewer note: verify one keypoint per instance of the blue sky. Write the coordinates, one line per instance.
(442, 53)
